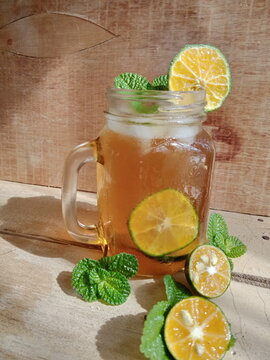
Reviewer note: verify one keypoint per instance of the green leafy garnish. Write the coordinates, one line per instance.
(131, 81)
(142, 107)
(81, 282)
(160, 83)
(175, 291)
(113, 287)
(231, 264)
(234, 247)
(231, 245)
(105, 279)
(86, 289)
(152, 344)
(216, 225)
(218, 235)
(125, 264)
(219, 241)
(83, 266)
(232, 342)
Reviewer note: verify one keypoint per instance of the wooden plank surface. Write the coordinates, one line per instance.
(42, 318)
(35, 212)
(58, 58)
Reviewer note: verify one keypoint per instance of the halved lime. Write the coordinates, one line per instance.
(196, 328)
(208, 271)
(205, 66)
(163, 222)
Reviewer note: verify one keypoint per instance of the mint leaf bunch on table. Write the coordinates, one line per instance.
(105, 279)
(218, 235)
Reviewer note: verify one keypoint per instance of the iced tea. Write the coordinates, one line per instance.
(137, 159)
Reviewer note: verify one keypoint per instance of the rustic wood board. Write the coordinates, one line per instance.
(58, 57)
(42, 318)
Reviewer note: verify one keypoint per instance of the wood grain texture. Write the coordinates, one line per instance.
(47, 106)
(51, 35)
(34, 212)
(42, 318)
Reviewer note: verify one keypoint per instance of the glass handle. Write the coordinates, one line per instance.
(79, 156)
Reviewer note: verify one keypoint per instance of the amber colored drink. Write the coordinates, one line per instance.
(131, 167)
(152, 141)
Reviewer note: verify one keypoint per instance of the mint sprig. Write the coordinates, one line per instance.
(234, 247)
(231, 263)
(105, 279)
(218, 235)
(81, 282)
(175, 291)
(113, 287)
(125, 264)
(216, 225)
(152, 343)
(160, 83)
(131, 81)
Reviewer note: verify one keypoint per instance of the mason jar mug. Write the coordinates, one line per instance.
(154, 168)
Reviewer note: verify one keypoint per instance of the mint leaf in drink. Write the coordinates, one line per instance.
(234, 247)
(216, 225)
(175, 291)
(125, 264)
(152, 343)
(143, 107)
(113, 287)
(160, 83)
(131, 81)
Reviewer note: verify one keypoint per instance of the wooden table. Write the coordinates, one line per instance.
(42, 318)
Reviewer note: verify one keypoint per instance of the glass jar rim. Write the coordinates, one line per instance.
(199, 92)
(156, 105)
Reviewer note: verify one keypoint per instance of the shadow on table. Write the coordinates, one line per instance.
(64, 281)
(120, 337)
(150, 293)
(38, 220)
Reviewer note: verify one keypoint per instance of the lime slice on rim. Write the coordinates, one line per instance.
(197, 66)
(163, 222)
(208, 271)
(196, 328)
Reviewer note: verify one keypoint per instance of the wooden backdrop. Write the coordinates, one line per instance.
(57, 57)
